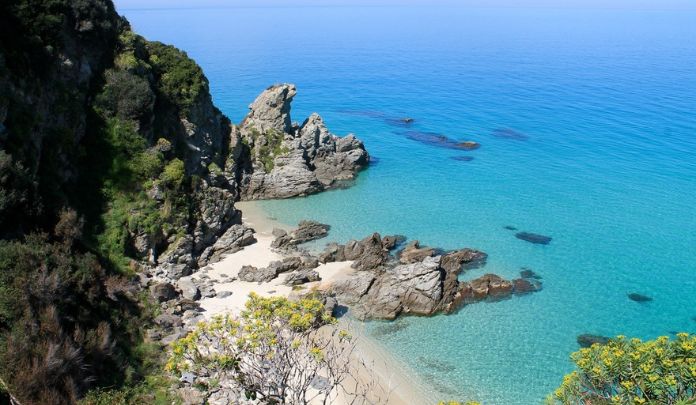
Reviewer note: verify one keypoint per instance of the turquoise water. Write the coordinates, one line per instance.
(602, 159)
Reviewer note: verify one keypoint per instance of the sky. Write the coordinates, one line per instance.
(584, 4)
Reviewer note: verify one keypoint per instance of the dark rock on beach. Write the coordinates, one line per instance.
(587, 340)
(305, 232)
(302, 277)
(533, 238)
(639, 297)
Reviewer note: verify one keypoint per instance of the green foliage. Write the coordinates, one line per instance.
(173, 174)
(268, 146)
(125, 95)
(179, 78)
(630, 371)
(153, 391)
(65, 323)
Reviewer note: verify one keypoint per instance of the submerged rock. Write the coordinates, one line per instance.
(439, 140)
(462, 158)
(507, 133)
(533, 238)
(587, 340)
(510, 228)
(529, 273)
(639, 297)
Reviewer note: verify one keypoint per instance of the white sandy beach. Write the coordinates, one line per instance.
(392, 375)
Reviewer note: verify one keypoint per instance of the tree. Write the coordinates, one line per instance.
(630, 371)
(277, 352)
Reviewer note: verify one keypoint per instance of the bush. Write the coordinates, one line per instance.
(179, 78)
(173, 174)
(630, 371)
(125, 95)
(273, 353)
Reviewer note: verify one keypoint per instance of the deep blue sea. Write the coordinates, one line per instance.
(587, 126)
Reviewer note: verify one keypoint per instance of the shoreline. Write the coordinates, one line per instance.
(391, 373)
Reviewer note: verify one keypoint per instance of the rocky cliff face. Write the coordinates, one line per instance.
(274, 158)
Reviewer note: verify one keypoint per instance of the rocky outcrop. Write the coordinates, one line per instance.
(301, 277)
(421, 282)
(233, 240)
(305, 232)
(272, 158)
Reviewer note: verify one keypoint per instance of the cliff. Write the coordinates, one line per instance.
(114, 160)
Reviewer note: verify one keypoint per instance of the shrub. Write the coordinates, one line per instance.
(125, 95)
(173, 174)
(179, 78)
(273, 352)
(630, 371)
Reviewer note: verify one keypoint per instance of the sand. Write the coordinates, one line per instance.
(396, 380)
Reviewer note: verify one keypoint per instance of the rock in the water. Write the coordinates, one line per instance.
(414, 253)
(302, 277)
(507, 133)
(189, 290)
(163, 292)
(529, 273)
(533, 238)
(469, 145)
(368, 254)
(510, 228)
(525, 286)
(639, 297)
(286, 160)
(462, 158)
(587, 340)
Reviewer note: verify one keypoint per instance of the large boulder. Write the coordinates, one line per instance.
(286, 160)
(233, 240)
(252, 274)
(302, 277)
(306, 231)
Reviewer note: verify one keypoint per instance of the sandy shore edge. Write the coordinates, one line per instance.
(392, 375)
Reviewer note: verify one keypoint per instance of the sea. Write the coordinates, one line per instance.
(586, 120)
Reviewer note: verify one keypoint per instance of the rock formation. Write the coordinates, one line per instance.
(272, 158)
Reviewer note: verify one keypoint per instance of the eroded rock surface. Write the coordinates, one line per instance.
(283, 160)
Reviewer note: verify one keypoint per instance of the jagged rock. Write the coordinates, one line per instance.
(414, 253)
(233, 240)
(351, 289)
(411, 288)
(252, 274)
(332, 253)
(587, 340)
(216, 213)
(302, 277)
(163, 292)
(167, 321)
(305, 232)
(389, 242)
(369, 253)
(189, 290)
(179, 252)
(285, 160)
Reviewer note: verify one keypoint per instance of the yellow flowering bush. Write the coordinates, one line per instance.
(272, 352)
(631, 371)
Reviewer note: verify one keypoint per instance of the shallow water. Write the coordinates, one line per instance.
(588, 132)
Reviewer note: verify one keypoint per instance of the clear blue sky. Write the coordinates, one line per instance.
(621, 4)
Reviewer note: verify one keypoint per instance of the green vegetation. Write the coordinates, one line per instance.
(630, 371)
(180, 79)
(268, 147)
(272, 352)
